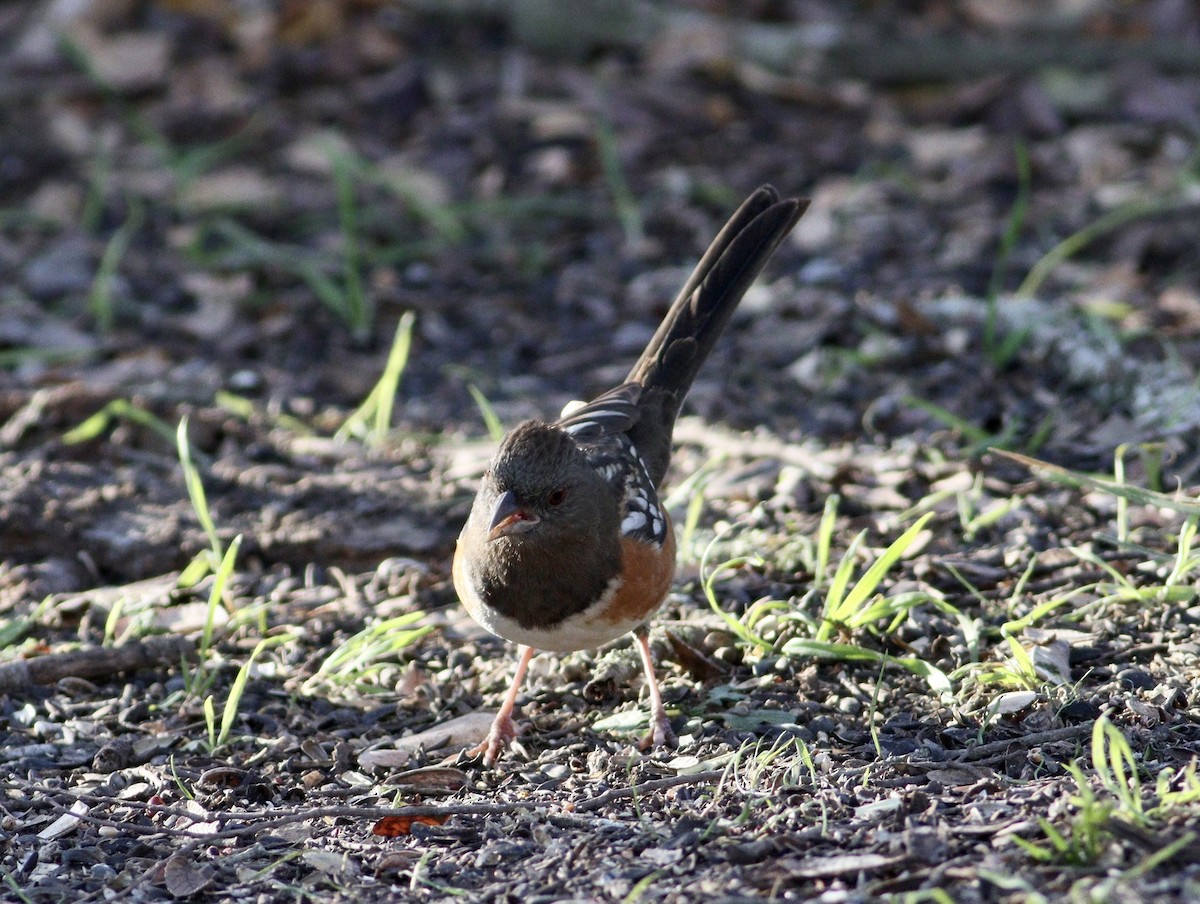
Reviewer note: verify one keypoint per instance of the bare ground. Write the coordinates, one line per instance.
(219, 212)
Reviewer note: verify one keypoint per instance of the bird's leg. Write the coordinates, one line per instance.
(503, 730)
(660, 733)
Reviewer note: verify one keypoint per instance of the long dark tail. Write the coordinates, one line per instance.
(700, 313)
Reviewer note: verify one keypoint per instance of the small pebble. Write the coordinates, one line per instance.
(715, 641)
(850, 705)
(65, 269)
(1137, 679)
(731, 655)
(245, 380)
(103, 872)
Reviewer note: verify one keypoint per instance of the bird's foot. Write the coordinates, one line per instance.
(501, 734)
(503, 731)
(660, 733)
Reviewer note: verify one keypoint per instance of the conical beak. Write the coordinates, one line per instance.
(509, 518)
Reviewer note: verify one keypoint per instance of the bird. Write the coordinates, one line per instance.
(568, 546)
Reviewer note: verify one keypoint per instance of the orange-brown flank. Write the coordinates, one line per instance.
(648, 572)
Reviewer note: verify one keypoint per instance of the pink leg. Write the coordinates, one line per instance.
(503, 730)
(660, 733)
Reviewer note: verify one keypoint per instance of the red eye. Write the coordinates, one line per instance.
(556, 497)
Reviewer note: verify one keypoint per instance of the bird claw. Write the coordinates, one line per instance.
(660, 733)
(501, 734)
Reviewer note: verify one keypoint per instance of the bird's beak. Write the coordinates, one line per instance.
(509, 518)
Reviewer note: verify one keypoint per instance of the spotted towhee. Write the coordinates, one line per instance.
(567, 546)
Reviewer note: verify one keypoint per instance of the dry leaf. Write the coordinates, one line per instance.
(183, 878)
(395, 826)
(465, 731)
(65, 823)
(432, 778)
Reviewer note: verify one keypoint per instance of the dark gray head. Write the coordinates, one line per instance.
(545, 529)
(539, 486)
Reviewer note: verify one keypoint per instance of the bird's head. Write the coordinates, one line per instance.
(540, 487)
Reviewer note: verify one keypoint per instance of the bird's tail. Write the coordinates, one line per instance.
(707, 300)
(699, 314)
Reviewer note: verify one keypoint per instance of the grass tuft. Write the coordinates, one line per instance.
(491, 420)
(94, 426)
(209, 560)
(859, 608)
(773, 627)
(365, 654)
(100, 298)
(1121, 798)
(628, 213)
(14, 629)
(371, 422)
(1002, 352)
(217, 737)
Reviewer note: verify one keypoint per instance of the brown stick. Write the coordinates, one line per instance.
(658, 784)
(94, 662)
(862, 53)
(1024, 743)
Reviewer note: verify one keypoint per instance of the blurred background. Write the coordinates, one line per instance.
(273, 276)
(227, 207)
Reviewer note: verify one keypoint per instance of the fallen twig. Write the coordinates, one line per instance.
(255, 821)
(94, 662)
(694, 778)
(1025, 742)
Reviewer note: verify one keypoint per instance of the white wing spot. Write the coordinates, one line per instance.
(582, 426)
(633, 520)
(618, 462)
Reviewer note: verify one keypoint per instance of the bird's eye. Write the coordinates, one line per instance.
(556, 497)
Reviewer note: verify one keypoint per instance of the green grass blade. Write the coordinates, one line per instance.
(1080, 480)
(708, 584)
(358, 313)
(1122, 502)
(441, 218)
(825, 538)
(1076, 242)
(195, 489)
(383, 639)
(210, 721)
(100, 300)
(1184, 564)
(937, 680)
(217, 594)
(870, 581)
(238, 688)
(975, 435)
(393, 370)
(118, 409)
(628, 213)
(837, 587)
(376, 409)
(233, 701)
(491, 420)
(1016, 221)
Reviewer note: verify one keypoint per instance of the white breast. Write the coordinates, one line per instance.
(583, 631)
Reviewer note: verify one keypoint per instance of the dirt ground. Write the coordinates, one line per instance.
(227, 212)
